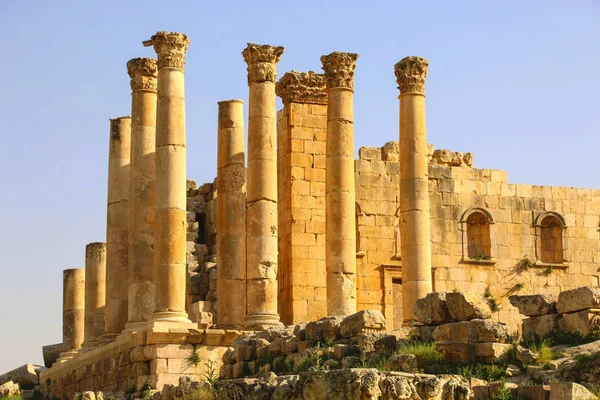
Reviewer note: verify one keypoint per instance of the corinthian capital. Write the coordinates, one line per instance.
(170, 48)
(302, 87)
(411, 73)
(339, 69)
(262, 61)
(142, 72)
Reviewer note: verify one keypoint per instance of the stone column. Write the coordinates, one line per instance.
(170, 228)
(73, 311)
(141, 196)
(95, 294)
(117, 227)
(261, 197)
(340, 195)
(231, 215)
(415, 235)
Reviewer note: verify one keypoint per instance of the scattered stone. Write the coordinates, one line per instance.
(314, 331)
(9, 388)
(366, 341)
(495, 387)
(569, 391)
(480, 388)
(456, 351)
(424, 332)
(491, 352)
(540, 326)
(25, 375)
(403, 363)
(51, 353)
(535, 304)
(580, 321)
(388, 344)
(513, 370)
(465, 306)
(432, 309)
(330, 328)
(362, 322)
(526, 356)
(578, 299)
(351, 362)
(476, 330)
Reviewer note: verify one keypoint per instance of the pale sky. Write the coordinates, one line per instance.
(514, 82)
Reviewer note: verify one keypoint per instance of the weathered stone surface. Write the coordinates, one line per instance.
(403, 363)
(490, 352)
(362, 321)
(535, 304)
(314, 331)
(51, 353)
(388, 344)
(452, 158)
(25, 375)
(480, 388)
(424, 332)
(457, 351)
(533, 392)
(366, 341)
(330, 328)
(476, 330)
(580, 321)
(569, 391)
(9, 388)
(432, 309)
(539, 326)
(496, 386)
(578, 299)
(465, 306)
(526, 356)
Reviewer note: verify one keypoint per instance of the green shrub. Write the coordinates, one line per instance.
(14, 397)
(503, 393)
(545, 352)
(194, 357)
(425, 352)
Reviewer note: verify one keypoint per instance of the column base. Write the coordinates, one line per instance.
(136, 326)
(261, 322)
(66, 356)
(170, 316)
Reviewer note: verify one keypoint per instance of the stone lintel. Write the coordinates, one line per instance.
(339, 69)
(411, 73)
(302, 87)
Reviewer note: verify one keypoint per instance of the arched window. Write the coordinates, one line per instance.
(478, 236)
(551, 243)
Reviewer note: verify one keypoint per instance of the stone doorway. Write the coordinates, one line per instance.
(397, 305)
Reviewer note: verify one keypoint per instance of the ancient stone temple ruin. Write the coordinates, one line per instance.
(294, 228)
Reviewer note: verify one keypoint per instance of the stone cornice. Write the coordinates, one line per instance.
(142, 72)
(262, 61)
(170, 48)
(339, 69)
(410, 74)
(302, 87)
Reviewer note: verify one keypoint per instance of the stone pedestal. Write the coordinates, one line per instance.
(117, 227)
(231, 215)
(414, 184)
(170, 223)
(340, 191)
(73, 312)
(261, 197)
(143, 73)
(95, 294)
(301, 144)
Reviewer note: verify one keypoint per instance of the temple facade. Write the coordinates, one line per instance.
(294, 228)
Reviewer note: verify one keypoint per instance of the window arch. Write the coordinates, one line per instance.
(478, 236)
(550, 227)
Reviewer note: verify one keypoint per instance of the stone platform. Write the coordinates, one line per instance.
(155, 355)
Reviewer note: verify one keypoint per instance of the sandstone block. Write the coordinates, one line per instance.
(536, 304)
(51, 353)
(569, 391)
(464, 306)
(331, 328)
(403, 363)
(578, 299)
(480, 389)
(539, 326)
(9, 388)
(456, 351)
(366, 341)
(496, 386)
(362, 321)
(314, 331)
(490, 351)
(424, 332)
(341, 350)
(351, 362)
(432, 309)
(474, 331)
(526, 356)
(533, 392)
(580, 321)
(25, 375)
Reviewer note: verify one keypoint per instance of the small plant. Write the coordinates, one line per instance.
(481, 257)
(545, 352)
(526, 263)
(547, 271)
(194, 357)
(492, 301)
(329, 342)
(425, 352)
(17, 396)
(147, 386)
(594, 330)
(503, 392)
(210, 372)
(519, 286)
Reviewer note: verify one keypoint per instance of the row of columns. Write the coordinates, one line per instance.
(139, 275)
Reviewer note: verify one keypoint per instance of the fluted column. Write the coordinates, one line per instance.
(95, 294)
(143, 83)
(340, 195)
(231, 215)
(117, 227)
(170, 223)
(261, 197)
(73, 311)
(414, 184)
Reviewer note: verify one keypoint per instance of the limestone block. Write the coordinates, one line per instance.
(366, 341)
(390, 151)
(432, 309)
(362, 321)
(351, 362)
(330, 328)
(474, 331)
(526, 356)
(480, 388)
(424, 332)
(314, 331)
(403, 363)
(9, 388)
(464, 306)
(457, 351)
(51, 353)
(491, 351)
(25, 375)
(581, 321)
(569, 391)
(496, 386)
(533, 392)
(539, 326)
(578, 299)
(536, 304)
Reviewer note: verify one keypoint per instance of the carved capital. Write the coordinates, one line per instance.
(302, 87)
(262, 62)
(170, 48)
(339, 69)
(142, 72)
(411, 73)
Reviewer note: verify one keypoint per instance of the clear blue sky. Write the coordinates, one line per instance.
(514, 82)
